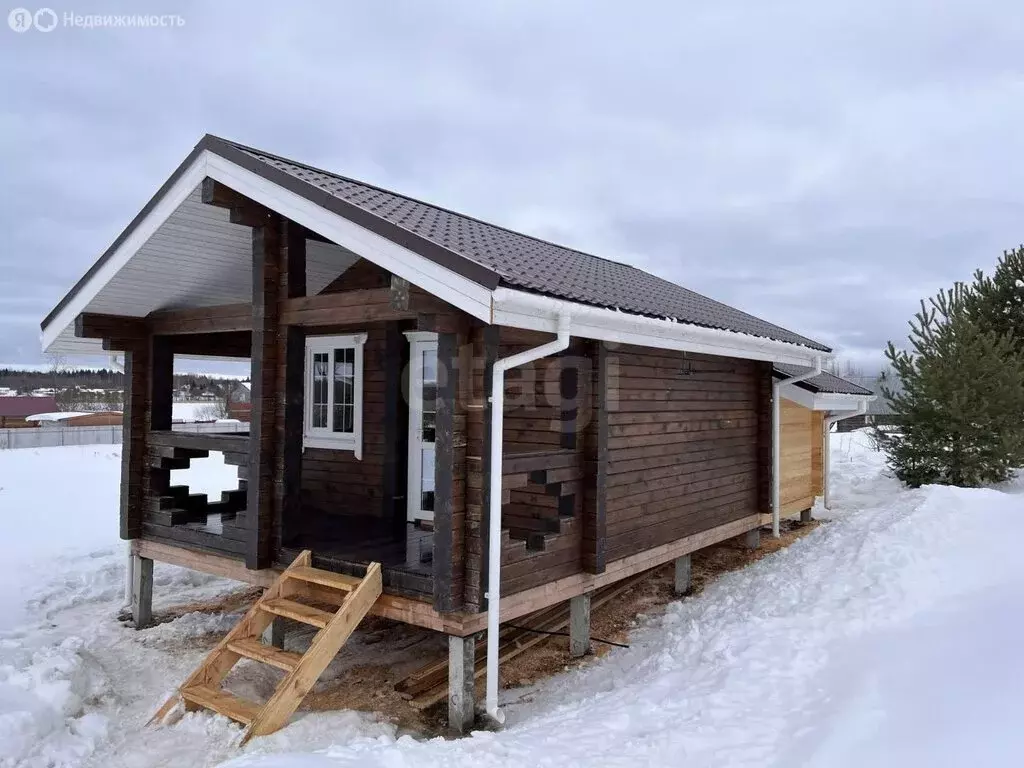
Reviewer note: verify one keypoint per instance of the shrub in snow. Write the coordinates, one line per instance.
(961, 402)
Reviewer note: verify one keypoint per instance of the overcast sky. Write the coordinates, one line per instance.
(823, 165)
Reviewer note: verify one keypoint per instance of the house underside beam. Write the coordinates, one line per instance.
(245, 211)
(359, 306)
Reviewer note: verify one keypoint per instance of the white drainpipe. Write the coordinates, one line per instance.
(493, 594)
(826, 458)
(777, 440)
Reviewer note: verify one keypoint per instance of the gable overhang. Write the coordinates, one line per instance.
(823, 401)
(460, 282)
(521, 309)
(457, 280)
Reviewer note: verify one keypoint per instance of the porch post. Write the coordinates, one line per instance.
(133, 439)
(293, 272)
(266, 272)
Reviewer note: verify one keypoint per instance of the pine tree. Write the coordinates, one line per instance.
(997, 302)
(961, 402)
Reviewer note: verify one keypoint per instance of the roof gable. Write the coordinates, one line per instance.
(414, 239)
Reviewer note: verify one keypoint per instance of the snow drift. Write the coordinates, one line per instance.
(886, 637)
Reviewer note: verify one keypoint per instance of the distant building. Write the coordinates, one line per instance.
(76, 419)
(13, 410)
(879, 410)
(239, 400)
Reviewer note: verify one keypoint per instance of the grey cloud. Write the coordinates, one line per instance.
(823, 165)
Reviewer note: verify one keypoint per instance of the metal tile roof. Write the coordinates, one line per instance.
(825, 383)
(523, 262)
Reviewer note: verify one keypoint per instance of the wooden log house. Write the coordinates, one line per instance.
(373, 323)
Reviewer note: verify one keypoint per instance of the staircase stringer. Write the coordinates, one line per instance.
(221, 659)
(325, 646)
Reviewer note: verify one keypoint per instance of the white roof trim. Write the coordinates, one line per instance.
(540, 313)
(823, 401)
(453, 288)
(174, 197)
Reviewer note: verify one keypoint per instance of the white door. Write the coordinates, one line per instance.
(422, 416)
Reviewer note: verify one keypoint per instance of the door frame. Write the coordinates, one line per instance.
(419, 341)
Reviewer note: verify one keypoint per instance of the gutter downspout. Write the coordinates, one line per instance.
(826, 458)
(776, 439)
(493, 594)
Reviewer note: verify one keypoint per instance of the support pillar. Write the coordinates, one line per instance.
(579, 625)
(752, 539)
(461, 683)
(274, 634)
(142, 591)
(683, 583)
(805, 516)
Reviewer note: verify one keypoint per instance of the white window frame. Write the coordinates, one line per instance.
(418, 342)
(326, 437)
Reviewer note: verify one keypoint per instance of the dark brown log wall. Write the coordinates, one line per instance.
(685, 451)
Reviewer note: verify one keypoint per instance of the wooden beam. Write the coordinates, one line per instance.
(91, 325)
(449, 468)
(133, 446)
(244, 210)
(394, 497)
(595, 454)
(227, 344)
(219, 319)
(266, 265)
(289, 490)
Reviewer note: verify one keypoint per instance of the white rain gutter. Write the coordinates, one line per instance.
(826, 459)
(493, 594)
(777, 440)
(519, 309)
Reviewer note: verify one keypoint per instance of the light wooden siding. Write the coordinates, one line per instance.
(800, 457)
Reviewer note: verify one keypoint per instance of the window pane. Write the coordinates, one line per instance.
(319, 406)
(429, 395)
(344, 390)
(427, 479)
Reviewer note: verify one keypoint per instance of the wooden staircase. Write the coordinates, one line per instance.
(349, 597)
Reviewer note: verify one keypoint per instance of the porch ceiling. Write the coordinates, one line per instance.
(196, 258)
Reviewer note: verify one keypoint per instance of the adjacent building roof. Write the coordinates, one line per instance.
(22, 406)
(825, 383)
(487, 254)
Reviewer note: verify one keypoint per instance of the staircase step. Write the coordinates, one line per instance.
(280, 606)
(223, 703)
(324, 578)
(252, 648)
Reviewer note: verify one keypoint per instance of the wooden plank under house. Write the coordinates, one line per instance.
(377, 328)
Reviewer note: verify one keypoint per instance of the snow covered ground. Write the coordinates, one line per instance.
(887, 637)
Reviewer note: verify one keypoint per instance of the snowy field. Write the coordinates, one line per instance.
(887, 637)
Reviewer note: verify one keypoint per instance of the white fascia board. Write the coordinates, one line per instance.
(453, 288)
(169, 203)
(822, 401)
(833, 401)
(540, 313)
(797, 395)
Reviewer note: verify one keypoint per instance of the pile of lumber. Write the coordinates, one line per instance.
(428, 685)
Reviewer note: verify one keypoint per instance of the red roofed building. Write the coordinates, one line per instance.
(13, 410)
